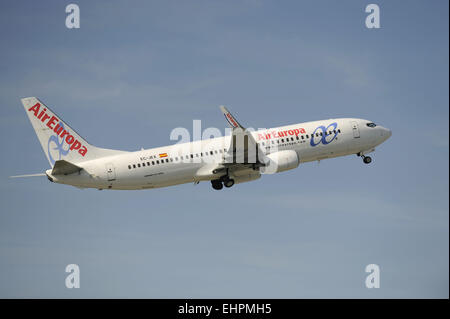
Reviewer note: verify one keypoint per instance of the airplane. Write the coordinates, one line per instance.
(242, 156)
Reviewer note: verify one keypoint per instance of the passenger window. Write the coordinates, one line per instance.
(129, 166)
(167, 160)
(211, 153)
(339, 130)
(157, 161)
(148, 163)
(153, 162)
(303, 137)
(134, 165)
(139, 165)
(282, 140)
(143, 164)
(307, 136)
(292, 139)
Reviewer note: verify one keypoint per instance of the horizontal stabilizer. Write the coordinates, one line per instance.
(28, 175)
(63, 167)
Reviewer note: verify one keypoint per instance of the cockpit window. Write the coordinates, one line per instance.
(371, 124)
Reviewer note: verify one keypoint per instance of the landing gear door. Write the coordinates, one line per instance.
(355, 129)
(110, 172)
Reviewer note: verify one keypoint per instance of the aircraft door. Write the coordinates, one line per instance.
(110, 172)
(355, 129)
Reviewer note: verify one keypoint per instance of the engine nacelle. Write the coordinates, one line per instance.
(245, 176)
(280, 161)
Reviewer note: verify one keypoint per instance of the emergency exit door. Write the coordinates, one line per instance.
(110, 172)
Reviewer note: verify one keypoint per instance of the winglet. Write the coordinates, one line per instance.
(230, 118)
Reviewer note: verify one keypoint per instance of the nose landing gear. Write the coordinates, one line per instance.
(366, 159)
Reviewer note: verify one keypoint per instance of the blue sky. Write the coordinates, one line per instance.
(131, 74)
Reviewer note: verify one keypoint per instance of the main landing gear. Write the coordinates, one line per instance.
(366, 159)
(217, 184)
(223, 181)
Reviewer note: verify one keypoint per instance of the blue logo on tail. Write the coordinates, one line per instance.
(58, 146)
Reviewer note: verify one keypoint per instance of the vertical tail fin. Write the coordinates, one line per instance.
(58, 139)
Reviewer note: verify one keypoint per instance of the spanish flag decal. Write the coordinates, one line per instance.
(162, 155)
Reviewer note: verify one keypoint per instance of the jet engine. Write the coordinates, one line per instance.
(247, 177)
(280, 161)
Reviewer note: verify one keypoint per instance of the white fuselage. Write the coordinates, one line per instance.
(181, 163)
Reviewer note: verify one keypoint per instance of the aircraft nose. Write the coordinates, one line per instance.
(388, 132)
(385, 133)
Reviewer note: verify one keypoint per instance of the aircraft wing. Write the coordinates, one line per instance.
(244, 150)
